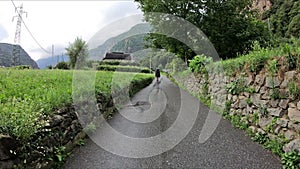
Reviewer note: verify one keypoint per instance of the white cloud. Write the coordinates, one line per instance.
(60, 22)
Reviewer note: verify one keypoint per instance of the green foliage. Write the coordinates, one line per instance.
(284, 18)
(263, 111)
(273, 67)
(255, 118)
(236, 87)
(21, 67)
(178, 65)
(62, 65)
(290, 160)
(78, 53)
(199, 64)
(249, 90)
(90, 128)
(227, 108)
(260, 138)
(80, 142)
(119, 63)
(229, 26)
(294, 90)
(274, 145)
(275, 94)
(254, 61)
(237, 122)
(249, 102)
(60, 156)
(124, 68)
(27, 96)
(270, 127)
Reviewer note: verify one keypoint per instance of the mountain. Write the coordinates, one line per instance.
(128, 42)
(6, 56)
(45, 62)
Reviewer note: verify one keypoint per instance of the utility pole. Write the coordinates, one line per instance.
(52, 56)
(16, 47)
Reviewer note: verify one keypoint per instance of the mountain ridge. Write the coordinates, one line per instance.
(6, 54)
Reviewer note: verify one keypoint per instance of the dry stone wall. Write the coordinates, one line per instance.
(268, 104)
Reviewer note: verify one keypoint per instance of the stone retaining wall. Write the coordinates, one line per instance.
(268, 104)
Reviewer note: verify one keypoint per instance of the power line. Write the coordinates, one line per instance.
(29, 30)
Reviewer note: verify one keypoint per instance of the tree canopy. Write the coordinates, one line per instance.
(284, 18)
(78, 53)
(229, 24)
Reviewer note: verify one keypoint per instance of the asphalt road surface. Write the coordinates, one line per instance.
(160, 128)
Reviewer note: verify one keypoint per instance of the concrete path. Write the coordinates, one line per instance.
(157, 130)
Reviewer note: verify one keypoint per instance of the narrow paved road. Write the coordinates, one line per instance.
(158, 132)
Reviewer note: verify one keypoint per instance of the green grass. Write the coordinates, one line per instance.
(28, 95)
(257, 59)
(123, 68)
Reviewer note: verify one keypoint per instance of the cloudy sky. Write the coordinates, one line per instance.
(60, 22)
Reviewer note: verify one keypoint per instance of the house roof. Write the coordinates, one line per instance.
(118, 56)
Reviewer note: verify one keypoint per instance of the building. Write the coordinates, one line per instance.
(117, 56)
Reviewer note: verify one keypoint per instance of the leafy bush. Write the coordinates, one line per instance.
(21, 67)
(273, 67)
(236, 87)
(290, 160)
(62, 65)
(124, 68)
(199, 64)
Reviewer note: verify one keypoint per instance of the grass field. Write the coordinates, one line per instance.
(27, 95)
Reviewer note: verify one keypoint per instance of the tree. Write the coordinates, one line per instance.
(229, 24)
(78, 53)
(284, 18)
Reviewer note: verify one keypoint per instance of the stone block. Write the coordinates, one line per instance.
(282, 122)
(293, 145)
(260, 79)
(242, 104)
(292, 105)
(289, 75)
(272, 82)
(7, 146)
(264, 121)
(284, 103)
(294, 114)
(275, 112)
(274, 103)
(289, 134)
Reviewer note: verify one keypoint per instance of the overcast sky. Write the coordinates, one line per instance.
(60, 22)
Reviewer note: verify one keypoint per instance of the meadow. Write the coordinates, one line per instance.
(26, 96)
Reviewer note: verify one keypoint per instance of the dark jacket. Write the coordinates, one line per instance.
(157, 73)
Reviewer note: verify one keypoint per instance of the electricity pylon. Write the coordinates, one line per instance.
(16, 49)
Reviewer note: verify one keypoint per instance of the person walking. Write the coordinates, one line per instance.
(157, 74)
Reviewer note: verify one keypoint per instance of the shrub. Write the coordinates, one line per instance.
(124, 69)
(290, 160)
(62, 65)
(273, 67)
(21, 67)
(199, 64)
(294, 91)
(236, 87)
